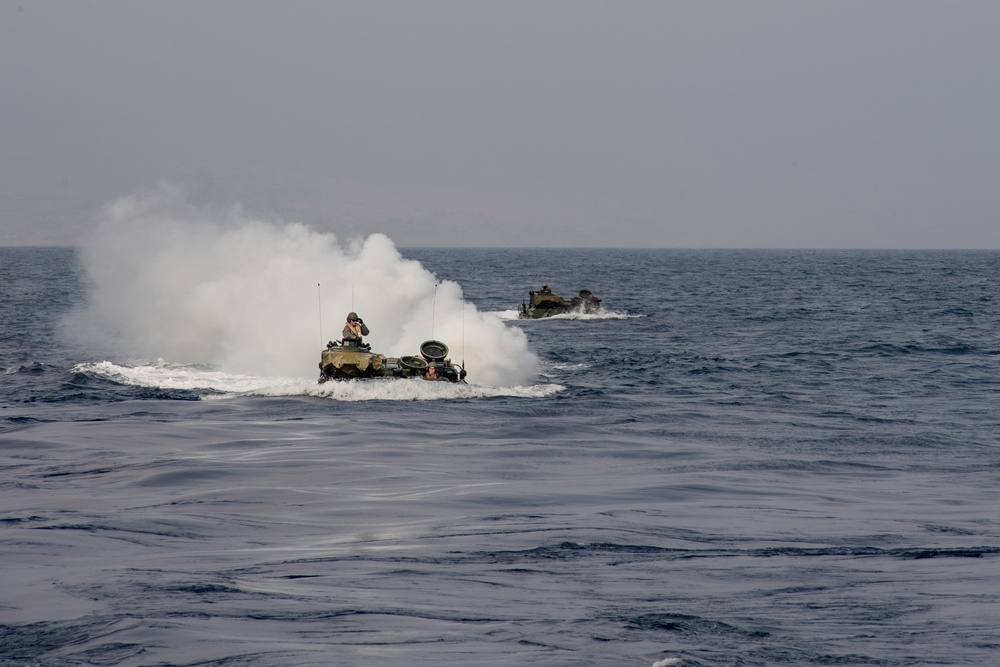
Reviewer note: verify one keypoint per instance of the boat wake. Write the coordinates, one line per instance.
(218, 385)
(508, 315)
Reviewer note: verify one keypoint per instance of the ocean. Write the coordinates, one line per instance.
(749, 457)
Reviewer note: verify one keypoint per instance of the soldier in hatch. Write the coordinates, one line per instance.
(355, 328)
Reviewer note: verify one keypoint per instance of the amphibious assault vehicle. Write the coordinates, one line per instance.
(348, 360)
(544, 303)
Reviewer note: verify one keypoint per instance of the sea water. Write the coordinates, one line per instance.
(748, 458)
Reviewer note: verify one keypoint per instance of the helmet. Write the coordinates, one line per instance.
(352, 315)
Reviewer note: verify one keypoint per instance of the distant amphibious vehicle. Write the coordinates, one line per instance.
(544, 303)
(349, 360)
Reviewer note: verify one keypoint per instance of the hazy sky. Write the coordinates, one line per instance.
(733, 123)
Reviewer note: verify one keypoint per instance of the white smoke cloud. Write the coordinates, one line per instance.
(191, 285)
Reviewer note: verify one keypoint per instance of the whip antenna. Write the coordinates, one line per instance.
(319, 295)
(433, 308)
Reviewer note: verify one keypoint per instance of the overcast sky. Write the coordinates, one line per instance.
(730, 123)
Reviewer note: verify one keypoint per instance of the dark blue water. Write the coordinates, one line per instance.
(760, 458)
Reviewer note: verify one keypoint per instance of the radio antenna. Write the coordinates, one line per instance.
(319, 295)
(433, 308)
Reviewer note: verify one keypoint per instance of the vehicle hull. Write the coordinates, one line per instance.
(546, 304)
(347, 360)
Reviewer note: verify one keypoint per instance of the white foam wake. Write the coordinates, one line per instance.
(508, 315)
(219, 384)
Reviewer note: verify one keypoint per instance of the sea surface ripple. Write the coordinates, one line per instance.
(751, 458)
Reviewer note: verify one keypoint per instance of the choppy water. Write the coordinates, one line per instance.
(754, 458)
